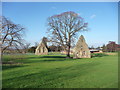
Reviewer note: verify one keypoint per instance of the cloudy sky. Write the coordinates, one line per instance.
(102, 18)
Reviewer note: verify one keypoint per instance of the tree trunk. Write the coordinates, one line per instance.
(1, 52)
(69, 45)
(68, 52)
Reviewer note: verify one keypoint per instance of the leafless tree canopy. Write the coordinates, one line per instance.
(24, 47)
(11, 34)
(64, 27)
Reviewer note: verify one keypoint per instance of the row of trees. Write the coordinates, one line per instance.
(111, 47)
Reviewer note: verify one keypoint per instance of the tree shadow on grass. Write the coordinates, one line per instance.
(46, 58)
(50, 77)
(43, 58)
(51, 60)
(5, 67)
(53, 57)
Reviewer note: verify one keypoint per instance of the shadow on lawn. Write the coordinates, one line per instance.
(36, 59)
(47, 58)
(5, 67)
(51, 60)
(50, 76)
(53, 57)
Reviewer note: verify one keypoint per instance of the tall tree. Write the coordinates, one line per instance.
(112, 46)
(11, 34)
(64, 27)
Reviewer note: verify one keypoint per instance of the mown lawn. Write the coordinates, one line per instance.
(56, 71)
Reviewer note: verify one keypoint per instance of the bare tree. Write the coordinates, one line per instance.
(64, 27)
(11, 34)
(24, 47)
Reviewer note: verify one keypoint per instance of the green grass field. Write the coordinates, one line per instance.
(56, 71)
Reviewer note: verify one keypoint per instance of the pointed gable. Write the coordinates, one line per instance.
(42, 48)
(81, 49)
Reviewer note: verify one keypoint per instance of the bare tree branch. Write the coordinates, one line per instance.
(11, 34)
(64, 27)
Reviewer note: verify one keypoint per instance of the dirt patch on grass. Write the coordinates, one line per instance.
(111, 53)
(11, 63)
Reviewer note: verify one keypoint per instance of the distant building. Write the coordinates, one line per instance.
(95, 51)
(42, 48)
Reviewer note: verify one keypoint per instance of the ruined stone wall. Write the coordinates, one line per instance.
(81, 49)
(41, 49)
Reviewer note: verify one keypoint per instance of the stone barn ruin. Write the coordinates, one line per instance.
(42, 48)
(81, 49)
